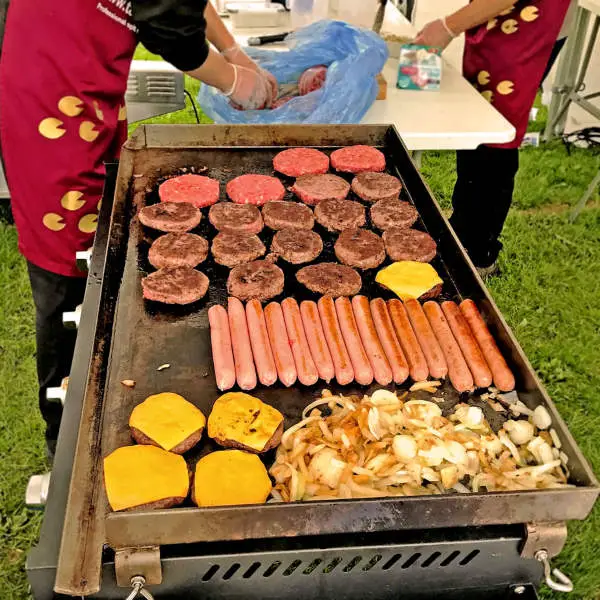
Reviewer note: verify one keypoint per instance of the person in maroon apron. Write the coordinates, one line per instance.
(63, 75)
(507, 46)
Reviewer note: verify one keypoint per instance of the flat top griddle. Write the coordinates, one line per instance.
(135, 337)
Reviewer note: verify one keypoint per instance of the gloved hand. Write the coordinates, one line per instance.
(236, 56)
(250, 89)
(436, 34)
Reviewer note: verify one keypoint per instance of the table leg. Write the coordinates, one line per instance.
(566, 75)
(583, 200)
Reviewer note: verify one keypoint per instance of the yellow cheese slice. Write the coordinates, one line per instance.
(244, 419)
(136, 475)
(408, 279)
(167, 419)
(230, 477)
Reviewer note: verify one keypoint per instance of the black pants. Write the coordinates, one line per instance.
(52, 295)
(481, 200)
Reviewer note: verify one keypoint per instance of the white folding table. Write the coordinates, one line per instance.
(456, 117)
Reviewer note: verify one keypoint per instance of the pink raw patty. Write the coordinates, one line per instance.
(198, 190)
(301, 161)
(255, 189)
(358, 159)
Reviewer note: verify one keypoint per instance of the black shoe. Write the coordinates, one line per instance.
(490, 271)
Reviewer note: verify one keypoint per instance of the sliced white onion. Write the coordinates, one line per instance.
(404, 447)
(541, 417)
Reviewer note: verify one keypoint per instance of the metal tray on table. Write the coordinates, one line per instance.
(134, 337)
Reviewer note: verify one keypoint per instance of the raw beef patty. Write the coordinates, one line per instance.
(372, 187)
(312, 189)
(255, 189)
(358, 159)
(301, 161)
(287, 215)
(199, 190)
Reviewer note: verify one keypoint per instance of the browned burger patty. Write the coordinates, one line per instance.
(235, 218)
(373, 187)
(179, 285)
(260, 279)
(330, 279)
(337, 215)
(177, 217)
(393, 213)
(297, 246)
(360, 248)
(178, 250)
(409, 244)
(231, 249)
(312, 189)
(287, 215)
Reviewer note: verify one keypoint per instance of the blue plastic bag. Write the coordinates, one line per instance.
(354, 58)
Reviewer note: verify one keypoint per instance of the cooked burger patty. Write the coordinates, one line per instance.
(255, 189)
(235, 218)
(358, 159)
(301, 161)
(178, 250)
(200, 190)
(288, 215)
(312, 189)
(177, 217)
(360, 248)
(409, 244)
(231, 249)
(337, 215)
(376, 186)
(330, 278)
(297, 246)
(179, 285)
(393, 213)
(260, 279)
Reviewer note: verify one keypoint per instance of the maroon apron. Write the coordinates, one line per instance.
(505, 58)
(63, 76)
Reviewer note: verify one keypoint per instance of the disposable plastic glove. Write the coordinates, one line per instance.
(236, 56)
(250, 89)
(435, 34)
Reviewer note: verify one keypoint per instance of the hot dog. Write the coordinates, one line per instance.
(417, 363)
(316, 340)
(280, 344)
(389, 340)
(363, 373)
(438, 368)
(240, 340)
(458, 370)
(503, 378)
(344, 373)
(382, 371)
(259, 341)
(222, 353)
(305, 366)
(482, 376)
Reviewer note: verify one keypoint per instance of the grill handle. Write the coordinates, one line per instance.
(137, 585)
(564, 584)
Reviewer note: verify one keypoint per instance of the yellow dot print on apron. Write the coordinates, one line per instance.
(491, 24)
(483, 78)
(51, 128)
(53, 221)
(98, 110)
(88, 223)
(72, 200)
(530, 13)
(71, 106)
(122, 113)
(510, 26)
(505, 87)
(508, 10)
(87, 131)
(488, 95)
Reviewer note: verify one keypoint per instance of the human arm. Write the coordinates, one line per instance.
(440, 32)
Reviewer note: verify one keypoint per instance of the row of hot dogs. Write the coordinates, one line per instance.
(354, 340)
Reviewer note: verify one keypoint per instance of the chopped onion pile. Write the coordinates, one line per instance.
(385, 445)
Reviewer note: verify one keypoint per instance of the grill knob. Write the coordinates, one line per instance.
(36, 493)
(71, 318)
(58, 393)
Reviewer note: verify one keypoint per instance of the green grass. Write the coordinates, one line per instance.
(549, 291)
